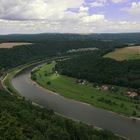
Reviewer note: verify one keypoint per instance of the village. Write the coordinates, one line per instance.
(103, 87)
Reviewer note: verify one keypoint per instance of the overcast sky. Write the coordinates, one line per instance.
(69, 16)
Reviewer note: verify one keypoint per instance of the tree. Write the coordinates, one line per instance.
(57, 133)
(48, 83)
(9, 129)
(134, 113)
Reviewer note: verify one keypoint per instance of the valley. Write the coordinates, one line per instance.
(70, 81)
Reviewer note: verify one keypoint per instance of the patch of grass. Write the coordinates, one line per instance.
(68, 87)
(127, 53)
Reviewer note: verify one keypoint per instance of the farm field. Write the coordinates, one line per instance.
(127, 53)
(70, 88)
(11, 45)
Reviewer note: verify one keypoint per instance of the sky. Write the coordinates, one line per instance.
(69, 16)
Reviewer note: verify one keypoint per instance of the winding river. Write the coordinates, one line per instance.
(75, 110)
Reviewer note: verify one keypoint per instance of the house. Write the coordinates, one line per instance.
(56, 72)
(132, 94)
(82, 82)
(104, 87)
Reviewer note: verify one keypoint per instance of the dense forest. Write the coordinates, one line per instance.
(19, 55)
(20, 120)
(46, 45)
(94, 68)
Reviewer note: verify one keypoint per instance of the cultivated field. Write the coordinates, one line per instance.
(127, 53)
(11, 45)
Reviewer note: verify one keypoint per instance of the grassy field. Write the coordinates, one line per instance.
(11, 45)
(68, 87)
(127, 53)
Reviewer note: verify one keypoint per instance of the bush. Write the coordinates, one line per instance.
(48, 83)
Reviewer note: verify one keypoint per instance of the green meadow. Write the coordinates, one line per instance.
(127, 53)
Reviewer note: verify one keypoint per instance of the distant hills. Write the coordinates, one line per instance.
(132, 38)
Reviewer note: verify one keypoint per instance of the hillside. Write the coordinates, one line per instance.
(94, 68)
(127, 53)
(124, 38)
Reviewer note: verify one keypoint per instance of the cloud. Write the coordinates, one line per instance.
(94, 18)
(96, 24)
(84, 17)
(35, 9)
(134, 9)
(33, 16)
(97, 4)
(118, 1)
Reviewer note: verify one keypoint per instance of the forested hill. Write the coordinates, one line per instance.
(120, 37)
(93, 67)
(46, 45)
(22, 54)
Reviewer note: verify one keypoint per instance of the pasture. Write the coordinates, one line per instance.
(127, 53)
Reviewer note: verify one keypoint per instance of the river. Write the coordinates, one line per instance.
(76, 110)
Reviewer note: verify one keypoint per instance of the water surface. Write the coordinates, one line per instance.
(76, 110)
